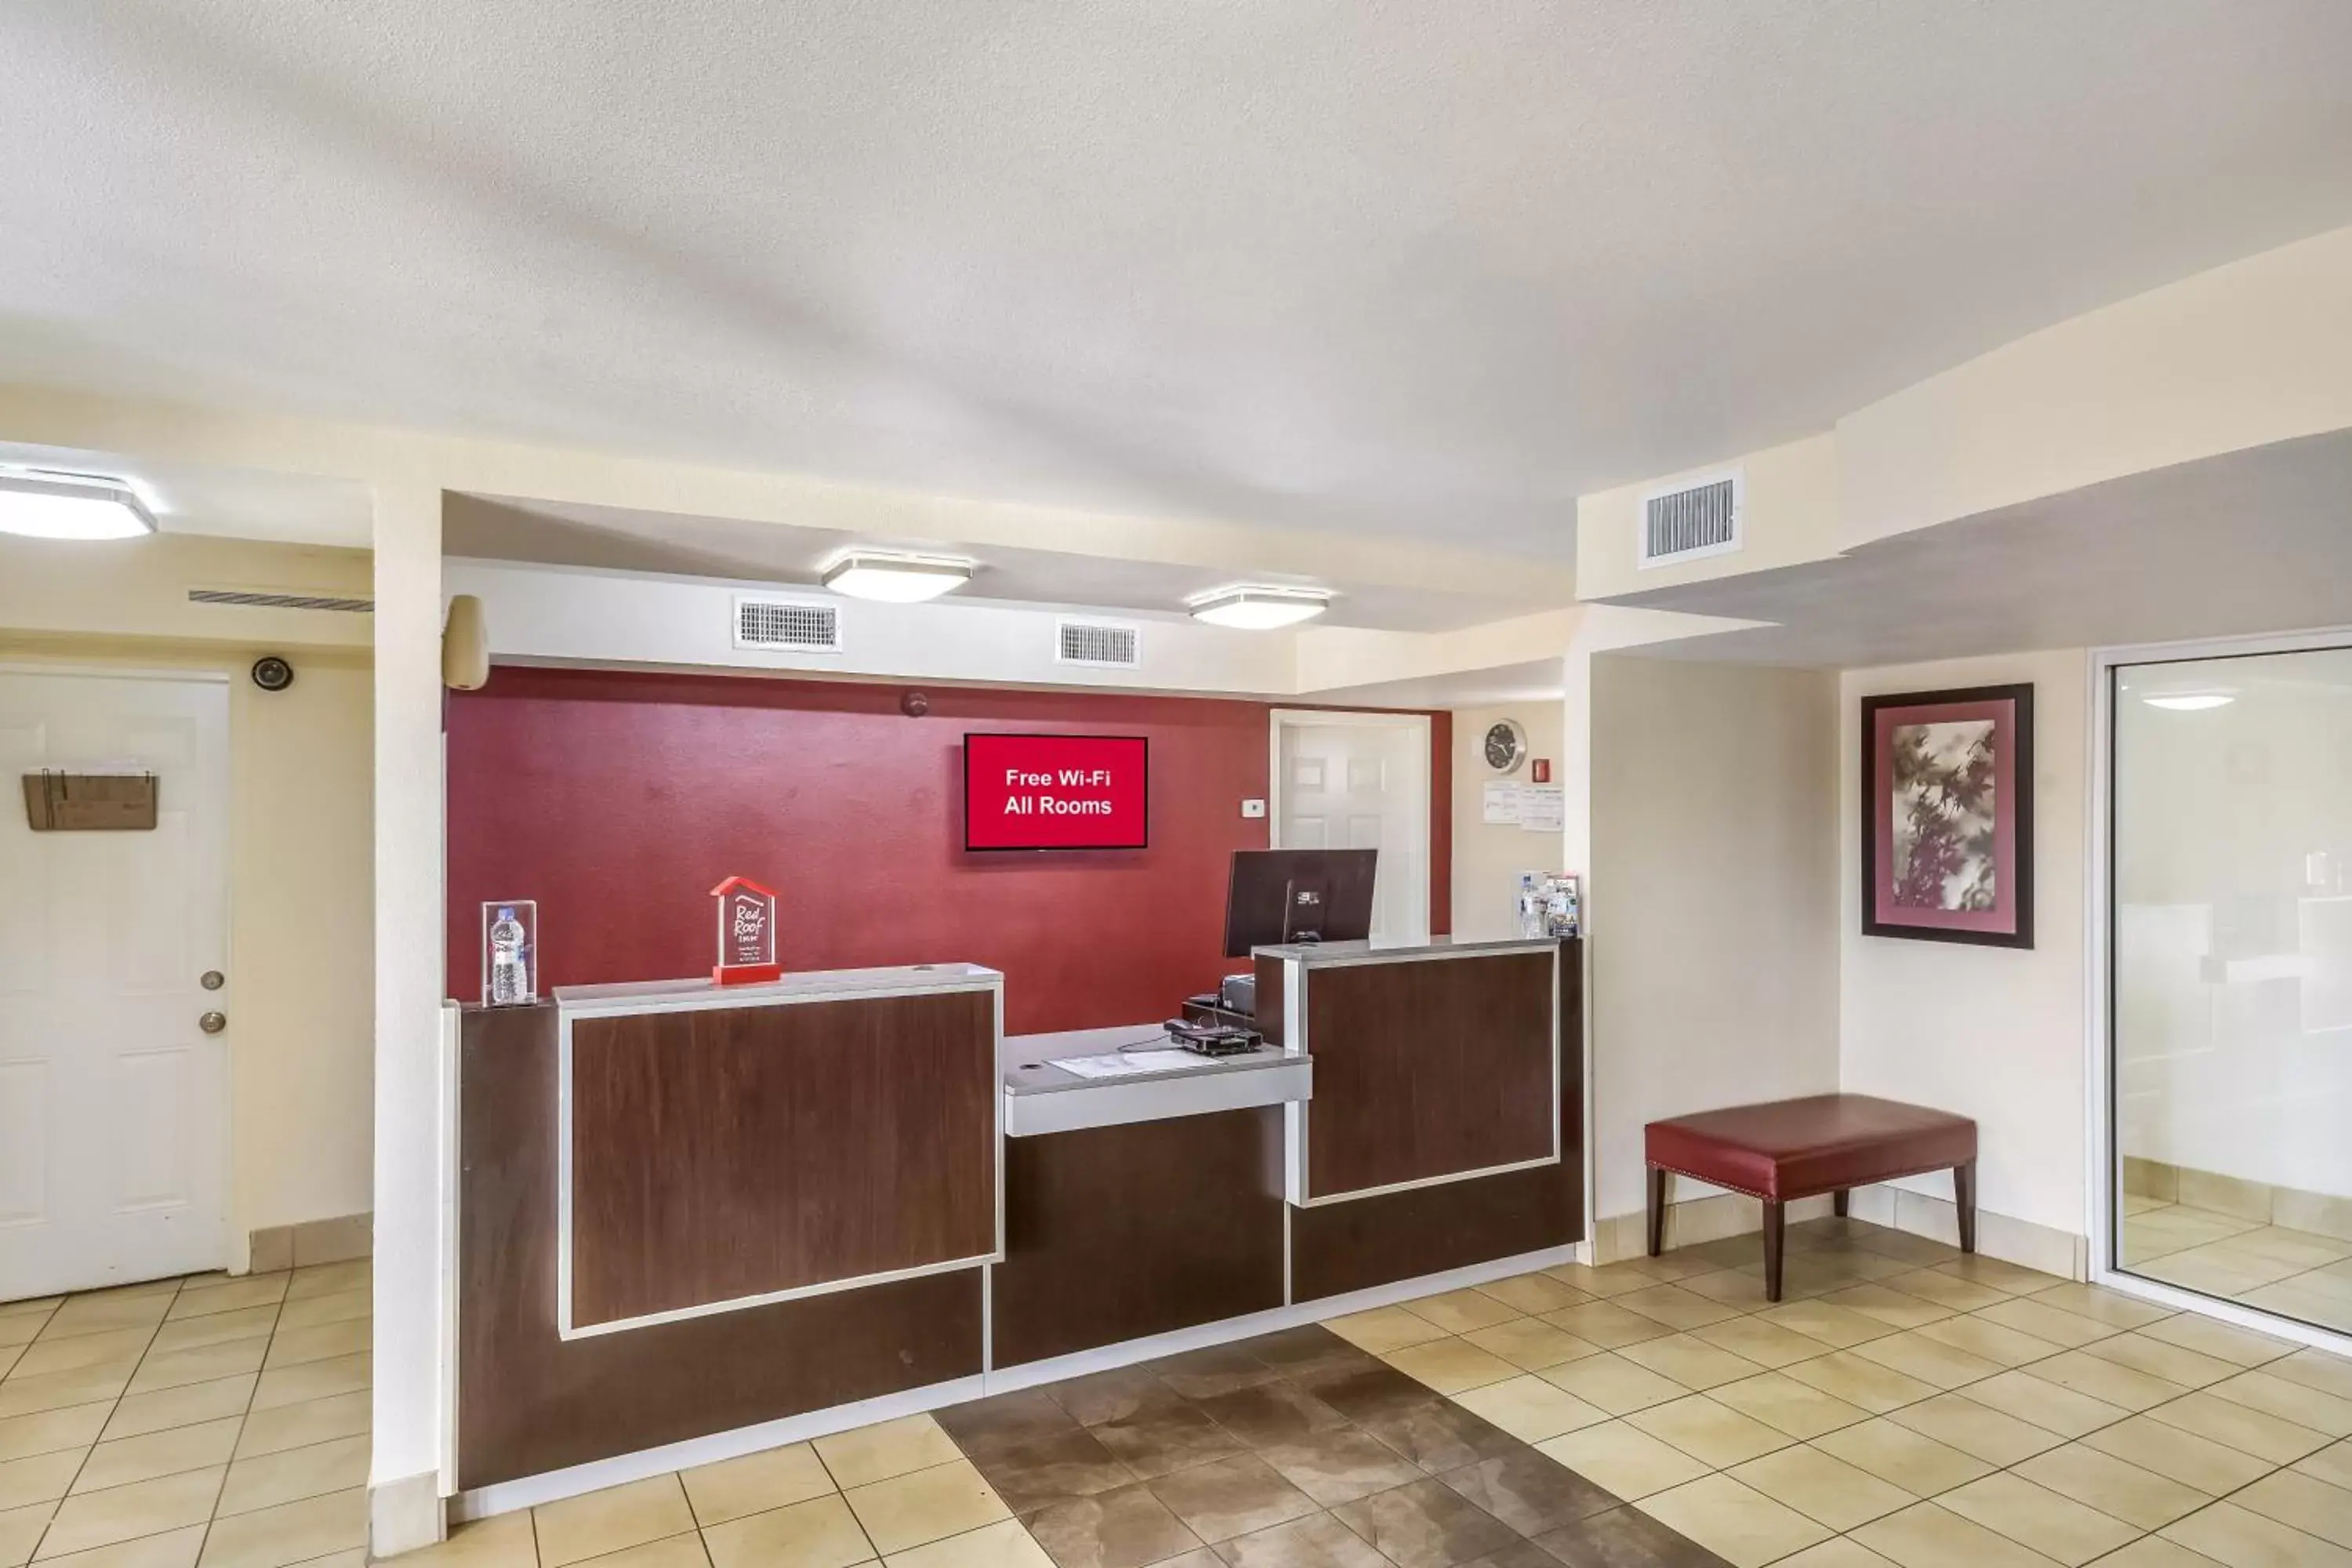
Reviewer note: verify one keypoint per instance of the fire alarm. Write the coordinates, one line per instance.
(915, 704)
(272, 673)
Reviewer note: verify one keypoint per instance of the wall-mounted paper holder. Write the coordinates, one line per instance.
(90, 803)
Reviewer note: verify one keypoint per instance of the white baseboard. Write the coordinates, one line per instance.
(405, 1515)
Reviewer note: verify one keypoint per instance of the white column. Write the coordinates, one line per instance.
(405, 1510)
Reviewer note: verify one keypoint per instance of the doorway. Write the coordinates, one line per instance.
(1359, 781)
(114, 991)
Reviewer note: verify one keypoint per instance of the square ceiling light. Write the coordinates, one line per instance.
(894, 579)
(1254, 608)
(42, 505)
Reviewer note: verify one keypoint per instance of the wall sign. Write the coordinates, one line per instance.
(747, 932)
(1056, 792)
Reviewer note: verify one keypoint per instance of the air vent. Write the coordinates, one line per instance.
(1106, 645)
(280, 601)
(787, 625)
(1691, 521)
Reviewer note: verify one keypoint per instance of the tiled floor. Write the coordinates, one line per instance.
(212, 1422)
(1905, 1406)
(2298, 1274)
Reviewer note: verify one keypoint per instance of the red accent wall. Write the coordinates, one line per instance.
(618, 800)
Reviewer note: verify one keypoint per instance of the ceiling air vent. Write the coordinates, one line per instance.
(786, 625)
(1106, 645)
(1694, 520)
(280, 601)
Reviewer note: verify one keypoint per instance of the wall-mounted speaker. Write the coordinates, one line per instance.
(465, 646)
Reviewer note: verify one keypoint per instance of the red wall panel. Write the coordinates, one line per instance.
(618, 800)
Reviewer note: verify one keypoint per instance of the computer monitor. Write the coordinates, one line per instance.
(1298, 895)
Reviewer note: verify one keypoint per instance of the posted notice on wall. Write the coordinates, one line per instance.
(1502, 802)
(1537, 808)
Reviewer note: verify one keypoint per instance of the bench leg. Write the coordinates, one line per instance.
(1841, 1203)
(1774, 1228)
(1657, 1211)
(1964, 1197)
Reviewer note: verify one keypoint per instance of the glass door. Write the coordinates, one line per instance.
(2230, 949)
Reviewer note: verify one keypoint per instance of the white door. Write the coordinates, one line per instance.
(1361, 781)
(113, 1099)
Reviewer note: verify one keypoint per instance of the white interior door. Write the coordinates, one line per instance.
(113, 1099)
(1361, 781)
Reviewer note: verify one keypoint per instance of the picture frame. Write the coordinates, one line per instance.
(1948, 816)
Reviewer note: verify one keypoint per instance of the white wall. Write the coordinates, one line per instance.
(1992, 1032)
(1713, 939)
(1489, 856)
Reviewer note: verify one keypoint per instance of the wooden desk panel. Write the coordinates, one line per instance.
(1427, 1068)
(730, 1152)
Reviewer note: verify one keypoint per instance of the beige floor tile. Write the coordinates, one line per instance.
(1614, 1384)
(109, 1310)
(121, 1461)
(300, 1426)
(868, 1454)
(84, 1385)
(1604, 1324)
(1782, 1402)
(1954, 1294)
(1610, 1279)
(2315, 1369)
(1676, 1307)
(143, 1413)
(2242, 1539)
(311, 1379)
(2157, 1358)
(313, 1312)
(2032, 1315)
(1535, 1294)
(1959, 1422)
(124, 1513)
(598, 1522)
(1914, 1354)
(1450, 1365)
(912, 1509)
(329, 1279)
(74, 1427)
(1847, 1376)
(1529, 1408)
(1690, 1361)
(1710, 1431)
(266, 1480)
(292, 1347)
(1624, 1459)
(1926, 1535)
(1912, 1461)
(119, 1348)
(1005, 1545)
(1767, 1344)
(1530, 1345)
(675, 1551)
(1384, 1329)
(2106, 1380)
(1980, 1337)
(41, 1478)
(2058, 1527)
(1740, 1290)
(1459, 1311)
(2110, 1307)
(2289, 1401)
(2044, 1403)
(819, 1533)
(229, 1296)
(2155, 1551)
(2311, 1506)
(503, 1541)
(2000, 1274)
(212, 1329)
(2117, 1488)
(1823, 1487)
(21, 1328)
(289, 1533)
(1842, 1552)
(2332, 1465)
(2179, 1454)
(1736, 1522)
(173, 1549)
(754, 1483)
(20, 1532)
(205, 1364)
(2251, 1431)
(1892, 1310)
(2242, 1347)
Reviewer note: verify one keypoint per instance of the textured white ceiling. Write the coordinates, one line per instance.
(1425, 266)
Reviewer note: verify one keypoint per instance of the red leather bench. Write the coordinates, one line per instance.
(1791, 1149)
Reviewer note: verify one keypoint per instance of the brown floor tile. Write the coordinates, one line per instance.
(1220, 1369)
(1165, 1440)
(1426, 1525)
(1003, 1418)
(1367, 1394)
(1341, 1465)
(1267, 1412)
(1123, 1392)
(1124, 1528)
(1528, 1492)
(1318, 1540)
(1231, 1497)
(1308, 1350)
(1441, 1435)
(1034, 1473)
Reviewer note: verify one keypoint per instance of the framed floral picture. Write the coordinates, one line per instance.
(1948, 816)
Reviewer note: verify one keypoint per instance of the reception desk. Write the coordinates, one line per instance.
(686, 1210)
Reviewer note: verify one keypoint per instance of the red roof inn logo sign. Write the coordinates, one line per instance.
(747, 932)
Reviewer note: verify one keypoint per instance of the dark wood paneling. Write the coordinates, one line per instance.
(739, 1151)
(1271, 975)
(1352, 1246)
(1115, 1233)
(529, 1401)
(1427, 1068)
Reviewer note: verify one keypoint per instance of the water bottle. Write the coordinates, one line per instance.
(510, 974)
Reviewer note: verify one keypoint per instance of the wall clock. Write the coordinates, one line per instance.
(1505, 746)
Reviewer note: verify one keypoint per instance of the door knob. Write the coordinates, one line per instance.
(212, 980)
(212, 1022)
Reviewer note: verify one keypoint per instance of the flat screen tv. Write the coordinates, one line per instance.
(1056, 792)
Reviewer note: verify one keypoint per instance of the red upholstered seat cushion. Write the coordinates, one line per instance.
(1797, 1148)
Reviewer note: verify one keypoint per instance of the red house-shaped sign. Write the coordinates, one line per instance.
(747, 932)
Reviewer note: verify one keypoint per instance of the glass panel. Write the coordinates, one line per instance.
(2232, 979)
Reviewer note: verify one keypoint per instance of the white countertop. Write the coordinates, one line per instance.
(1316, 952)
(1042, 1098)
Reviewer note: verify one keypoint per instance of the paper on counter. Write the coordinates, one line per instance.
(1125, 1063)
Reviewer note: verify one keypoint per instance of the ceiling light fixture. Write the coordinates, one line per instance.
(43, 505)
(1254, 608)
(896, 579)
(2192, 702)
